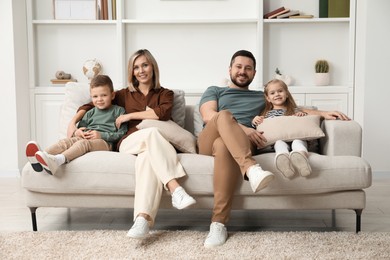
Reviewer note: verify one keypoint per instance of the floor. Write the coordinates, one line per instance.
(15, 216)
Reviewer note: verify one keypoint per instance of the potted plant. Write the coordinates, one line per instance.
(322, 77)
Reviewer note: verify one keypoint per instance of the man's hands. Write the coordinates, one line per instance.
(332, 115)
(254, 136)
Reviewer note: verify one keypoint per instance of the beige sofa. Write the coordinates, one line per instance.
(107, 179)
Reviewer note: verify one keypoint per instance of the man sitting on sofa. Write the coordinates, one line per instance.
(228, 135)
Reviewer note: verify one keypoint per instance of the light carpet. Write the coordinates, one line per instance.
(111, 244)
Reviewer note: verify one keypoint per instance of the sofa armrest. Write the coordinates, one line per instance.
(341, 138)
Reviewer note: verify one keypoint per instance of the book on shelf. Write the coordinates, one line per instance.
(333, 8)
(288, 14)
(280, 9)
(338, 8)
(106, 9)
(75, 9)
(279, 13)
(323, 9)
(302, 16)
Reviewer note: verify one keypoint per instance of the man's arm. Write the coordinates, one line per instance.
(330, 115)
(208, 110)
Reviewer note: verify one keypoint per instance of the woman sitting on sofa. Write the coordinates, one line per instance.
(157, 165)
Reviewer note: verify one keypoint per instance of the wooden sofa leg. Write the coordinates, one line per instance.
(358, 219)
(34, 218)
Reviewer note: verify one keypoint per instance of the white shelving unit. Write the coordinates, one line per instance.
(193, 42)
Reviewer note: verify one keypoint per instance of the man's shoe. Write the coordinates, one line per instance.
(139, 229)
(180, 198)
(258, 178)
(31, 148)
(283, 165)
(217, 235)
(48, 162)
(300, 163)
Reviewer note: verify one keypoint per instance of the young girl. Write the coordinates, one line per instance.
(279, 102)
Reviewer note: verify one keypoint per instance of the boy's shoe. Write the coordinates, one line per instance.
(300, 163)
(180, 198)
(258, 178)
(48, 162)
(283, 165)
(217, 235)
(139, 229)
(31, 148)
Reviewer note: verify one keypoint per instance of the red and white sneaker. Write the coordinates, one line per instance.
(47, 161)
(31, 148)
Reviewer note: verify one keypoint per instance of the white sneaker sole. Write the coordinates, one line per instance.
(301, 163)
(264, 181)
(283, 165)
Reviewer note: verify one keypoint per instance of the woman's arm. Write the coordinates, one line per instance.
(147, 114)
(72, 124)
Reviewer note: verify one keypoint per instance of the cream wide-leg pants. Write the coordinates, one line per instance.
(156, 164)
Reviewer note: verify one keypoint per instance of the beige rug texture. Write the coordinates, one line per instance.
(189, 245)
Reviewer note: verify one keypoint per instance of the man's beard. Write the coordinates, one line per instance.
(241, 85)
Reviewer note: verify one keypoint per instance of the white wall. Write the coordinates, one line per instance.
(372, 93)
(372, 87)
(8, 129)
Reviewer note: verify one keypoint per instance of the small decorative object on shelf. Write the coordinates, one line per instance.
(75, 9)
(285, 78)
(322, 73)
(91, 68)
(62, 78)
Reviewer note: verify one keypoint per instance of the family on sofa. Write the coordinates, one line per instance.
(232, 118)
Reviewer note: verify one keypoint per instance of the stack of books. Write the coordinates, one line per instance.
(282, 13)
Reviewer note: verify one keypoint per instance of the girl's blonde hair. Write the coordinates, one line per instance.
(290, 103)
(133, 82)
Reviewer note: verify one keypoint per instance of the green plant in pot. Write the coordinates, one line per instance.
(322, 77)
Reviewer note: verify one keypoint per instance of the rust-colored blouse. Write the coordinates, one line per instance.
(160, 100)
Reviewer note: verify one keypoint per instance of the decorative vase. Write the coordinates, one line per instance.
(322, 79)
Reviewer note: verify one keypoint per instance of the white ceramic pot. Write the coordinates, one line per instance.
(322, 79)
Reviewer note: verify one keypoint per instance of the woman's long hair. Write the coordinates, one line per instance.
(133, 82)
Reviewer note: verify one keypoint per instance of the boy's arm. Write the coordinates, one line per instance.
(117, 135)
(73, 122)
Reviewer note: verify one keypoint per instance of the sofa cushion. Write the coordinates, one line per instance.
(289, 128)
(113, 173)
(180, 138)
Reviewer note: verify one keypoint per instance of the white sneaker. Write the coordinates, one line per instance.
(48, 162)
(283, 165)
(139, 229)
(180, 198)
(300, 163)
(259, 178)
(217, 235)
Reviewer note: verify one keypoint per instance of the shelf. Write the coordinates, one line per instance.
(91, 22)
(308, 20)
(190, 21)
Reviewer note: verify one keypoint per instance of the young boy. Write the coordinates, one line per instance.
(96, 131)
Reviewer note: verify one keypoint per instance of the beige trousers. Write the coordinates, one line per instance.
(156, 164)
(75, 147)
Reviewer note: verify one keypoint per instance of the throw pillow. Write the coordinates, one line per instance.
(198, 121)
(289, 128)
(180, 138)
(179, 107)
(76, 94)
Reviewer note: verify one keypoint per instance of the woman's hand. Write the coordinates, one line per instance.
(121, 119)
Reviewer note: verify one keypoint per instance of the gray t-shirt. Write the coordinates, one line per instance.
(243, 104)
